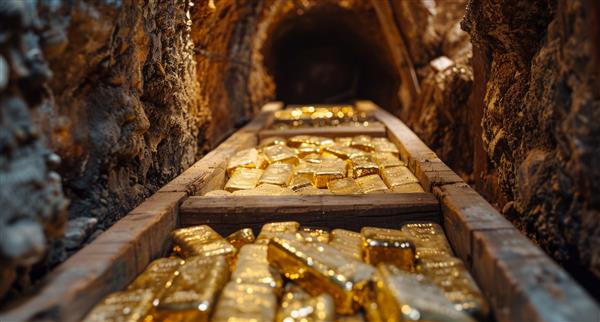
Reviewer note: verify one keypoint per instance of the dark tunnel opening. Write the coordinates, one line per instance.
(330, 55)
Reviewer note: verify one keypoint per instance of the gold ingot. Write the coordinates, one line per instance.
(296, 141)
(306, 169)
(450, 274)
(243, 179)
(326, 156)
(306, 149)
(245, 302)
(299, 306)
(344, 141)
(362, 142)
(195, 290)
(361, 166)
(414, 187)
(252, 267)
(310, 235)
(403, 296)
(299, 182)
(371, 184)
(347, 242)
(247, 158)
(273, 229)
(372, 311)
(202, 241)
(320, 268)
(386, 160)
(280, 153)
(343, 152)
(126, 306)
(397, 176)
(158, 276)
(384, 145)
(344, 186)
(241, 237)
(218, 193)
(427, 235)
(265, 189)
(312, 158)
(274, 140)
(320, 141)
(327, 171)
(312, 190)
(382, 245)
(278, 174)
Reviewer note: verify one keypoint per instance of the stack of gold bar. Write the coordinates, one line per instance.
(294, 273)
(321, 116)
(315, 165)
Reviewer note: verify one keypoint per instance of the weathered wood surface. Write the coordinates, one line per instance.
(374, 130)
(107, 264)
(227, 214)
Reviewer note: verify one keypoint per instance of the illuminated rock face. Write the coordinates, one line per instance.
(540, 121)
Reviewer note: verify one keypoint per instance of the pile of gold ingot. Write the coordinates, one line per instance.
(308, 165)
(294, 273)
(321, 116)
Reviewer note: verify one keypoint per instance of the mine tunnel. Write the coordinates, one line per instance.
(299, 160)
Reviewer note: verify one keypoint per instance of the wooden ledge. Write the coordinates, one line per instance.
(375, 130)
(226, 214)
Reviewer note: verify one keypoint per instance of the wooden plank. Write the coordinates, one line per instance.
(208, 172)
(107, 264)
(465, 211)
(336, 131)
(523, 284)
(227, 214)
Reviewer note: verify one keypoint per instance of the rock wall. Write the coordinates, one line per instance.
(541, 129)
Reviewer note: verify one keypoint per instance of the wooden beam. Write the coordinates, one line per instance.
(226, 214)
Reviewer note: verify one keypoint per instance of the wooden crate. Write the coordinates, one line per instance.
(520, 281)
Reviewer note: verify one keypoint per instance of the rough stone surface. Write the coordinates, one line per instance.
(541, 128)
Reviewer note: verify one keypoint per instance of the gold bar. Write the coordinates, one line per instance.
(274, 229)
(306, 148)
(362, 142)
(327, 171)
(408, 188)
(247, 158)
(299, 306)
(306, 169)
(243, 179)
(241, 237)
(158, 276)
(126, 306)
(403, 296)
(310, 235)
(202, 241)
(362, 166)
(382, 245)
(344, 141)
(299, 182)
(450, 274)
(264, 189)
(320, 141)
(397, 176)
(274, 140)
(195, 290)
(312, 158)
(347, 242)
(386, 160)
(320, 268)
(326, 156)
(245, 303)
(427, 235)
(371, 184)
(278, 174)
(344, 186)
(312, 190)
(343, 152)
(252, 267)
(280, 153)
(384, 145)
(296, 141)
(218, 193)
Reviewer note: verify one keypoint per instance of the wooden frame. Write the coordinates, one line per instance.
(521, 282)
